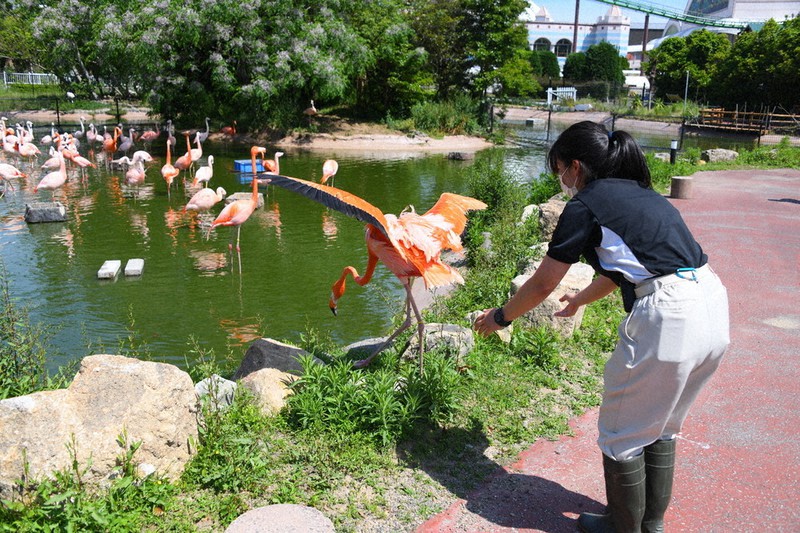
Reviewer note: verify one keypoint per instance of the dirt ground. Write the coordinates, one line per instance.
(330, 133)
(334, 133)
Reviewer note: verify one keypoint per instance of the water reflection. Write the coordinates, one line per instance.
(292, 250)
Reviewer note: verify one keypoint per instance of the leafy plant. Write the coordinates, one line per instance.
(23, 349)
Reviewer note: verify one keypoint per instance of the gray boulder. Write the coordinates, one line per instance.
(217, 391)
(269, 353)
(549, 213)
(153, 403)
(37, 212)
(578, 276)
(457, 340)
(714, 155)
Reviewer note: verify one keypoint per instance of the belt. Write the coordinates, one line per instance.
(682, 274)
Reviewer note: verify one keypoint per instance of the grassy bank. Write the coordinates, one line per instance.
(385, 448)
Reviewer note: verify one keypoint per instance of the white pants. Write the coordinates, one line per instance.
(669, 346)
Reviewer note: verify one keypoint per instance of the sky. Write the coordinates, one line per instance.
(564, 10)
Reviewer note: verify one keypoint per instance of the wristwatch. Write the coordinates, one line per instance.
(500, 318)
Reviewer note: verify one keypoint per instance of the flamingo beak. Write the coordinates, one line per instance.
(333, 309)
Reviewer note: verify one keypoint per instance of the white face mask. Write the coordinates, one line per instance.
(569, 191)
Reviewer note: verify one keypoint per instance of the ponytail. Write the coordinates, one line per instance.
(602, 154)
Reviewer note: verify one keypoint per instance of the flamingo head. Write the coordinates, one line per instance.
(337, 290)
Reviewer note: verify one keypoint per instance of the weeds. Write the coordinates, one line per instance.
(23, 346)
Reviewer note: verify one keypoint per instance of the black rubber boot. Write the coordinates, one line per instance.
(659, 465)
(625, 492)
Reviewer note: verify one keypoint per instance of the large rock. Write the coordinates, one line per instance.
(578, 276)
(270, 387)
(457, 340)
(38, 212)
(269, 353)
(549, 213)
(150, 402)
(714, 155)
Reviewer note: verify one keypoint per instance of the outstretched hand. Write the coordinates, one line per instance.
(485, 324)
(572, 305)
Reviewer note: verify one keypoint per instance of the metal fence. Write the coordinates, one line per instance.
(29, 78)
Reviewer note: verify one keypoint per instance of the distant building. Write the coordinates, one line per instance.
(546, 34)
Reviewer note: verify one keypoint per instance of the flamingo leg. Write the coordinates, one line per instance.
(410, 305)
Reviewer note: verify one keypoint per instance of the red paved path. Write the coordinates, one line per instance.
(738, 466)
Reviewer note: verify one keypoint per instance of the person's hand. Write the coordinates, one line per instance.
(485, 324)
(572, 305)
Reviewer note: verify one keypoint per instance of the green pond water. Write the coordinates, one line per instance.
(292, 250)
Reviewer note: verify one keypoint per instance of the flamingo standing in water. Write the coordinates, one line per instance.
(205, 199)
(195, 153)
(55, 179)
(236, 213)
(409, 245)
(148, 136)
(134, 177)
(168, 171)
(329, 169)
(273, 166)
(8, 171)
(185, 161)
(204, 174)
(110, 145)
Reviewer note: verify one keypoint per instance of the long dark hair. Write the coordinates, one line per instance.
(602, 154)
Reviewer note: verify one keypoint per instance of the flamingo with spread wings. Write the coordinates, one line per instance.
(409, 245)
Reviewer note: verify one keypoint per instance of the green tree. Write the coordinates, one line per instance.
(603, 63)
(394, 73)
(17, 45)
(762, 68)
(576, 67)
(698, 53)
(495, 34)
(516, 77)
(549, 63)
(439, 26)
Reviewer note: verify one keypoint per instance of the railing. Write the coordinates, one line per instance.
(751, 122)
(29, 78)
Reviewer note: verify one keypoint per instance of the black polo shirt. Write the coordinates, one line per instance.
(626, 232)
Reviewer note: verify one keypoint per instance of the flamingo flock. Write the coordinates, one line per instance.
(409, 244)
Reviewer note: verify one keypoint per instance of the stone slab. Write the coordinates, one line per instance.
(282, 518)
(245, 196)
(134, 267)
(37, 212)
(110, 269)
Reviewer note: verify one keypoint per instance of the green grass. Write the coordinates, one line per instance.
(382, 448)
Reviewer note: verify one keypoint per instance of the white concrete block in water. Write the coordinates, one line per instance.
(134, 267)
(110, 269)
(245, 196)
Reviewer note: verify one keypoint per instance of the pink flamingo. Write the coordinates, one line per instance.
(329, 169)
(236, 213)
(55, 179)
(204, 174)
(168, 171)
(409, 245)
(205, 199)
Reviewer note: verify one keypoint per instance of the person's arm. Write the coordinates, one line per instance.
(532, 293)
(599, 287)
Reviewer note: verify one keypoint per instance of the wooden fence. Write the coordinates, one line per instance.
(746, 122)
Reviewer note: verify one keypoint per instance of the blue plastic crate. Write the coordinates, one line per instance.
(245, 165)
